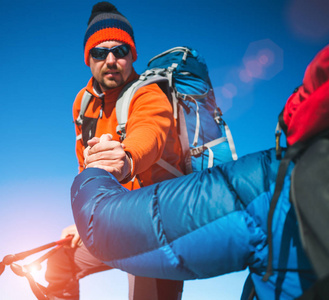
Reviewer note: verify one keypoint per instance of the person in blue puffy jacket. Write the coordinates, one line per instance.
(205, 224)
(158, 231)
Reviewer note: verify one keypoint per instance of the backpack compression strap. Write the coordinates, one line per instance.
(198, 150)
(219, 120)
(230, 141)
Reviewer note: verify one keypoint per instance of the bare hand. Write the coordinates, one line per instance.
(72, 231)
(104, 153)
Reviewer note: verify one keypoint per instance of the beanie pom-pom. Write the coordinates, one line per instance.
(102, 7)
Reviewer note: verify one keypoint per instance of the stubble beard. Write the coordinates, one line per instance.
(111, 83)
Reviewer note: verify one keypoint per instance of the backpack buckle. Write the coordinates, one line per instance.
(218, 115)
(198, 150)
(121, 131)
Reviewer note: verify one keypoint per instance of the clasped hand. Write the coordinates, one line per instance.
(104, 153)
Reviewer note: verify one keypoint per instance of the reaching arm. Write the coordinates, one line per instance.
(196, 226)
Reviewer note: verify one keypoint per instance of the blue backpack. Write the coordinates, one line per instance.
(182, 74)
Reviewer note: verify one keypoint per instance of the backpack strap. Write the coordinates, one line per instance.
(290, 154)
(230, 141)
(122, 108)
(198, 150)
(124, 99)
(197, 119)
(219, 120)
(84, 103)
(162, 163)
(184, 141)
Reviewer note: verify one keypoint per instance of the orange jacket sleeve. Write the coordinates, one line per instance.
(149, 120)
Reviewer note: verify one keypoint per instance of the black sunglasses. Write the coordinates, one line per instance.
(118, 51)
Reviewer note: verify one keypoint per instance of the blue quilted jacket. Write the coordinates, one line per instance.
(198, 226)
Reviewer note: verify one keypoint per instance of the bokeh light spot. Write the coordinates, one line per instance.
(254, 68)
(229, 90)
(245, 76)
(263, 60)
(266, 57)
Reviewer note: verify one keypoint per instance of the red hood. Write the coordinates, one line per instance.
(306, 112)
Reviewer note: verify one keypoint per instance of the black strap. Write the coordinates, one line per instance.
(291, 153)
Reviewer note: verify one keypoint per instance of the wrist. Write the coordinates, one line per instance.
(130, 168)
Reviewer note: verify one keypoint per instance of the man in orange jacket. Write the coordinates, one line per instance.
(109, 51)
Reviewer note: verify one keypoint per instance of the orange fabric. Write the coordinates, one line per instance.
(103, 35)
(150, 130)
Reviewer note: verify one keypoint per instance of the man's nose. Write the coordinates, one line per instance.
(110, 59)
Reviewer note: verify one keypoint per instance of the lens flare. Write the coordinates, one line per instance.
(32, 268)
(263, 60)
(229, 90)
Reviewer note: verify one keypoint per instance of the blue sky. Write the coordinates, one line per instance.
(256, 51)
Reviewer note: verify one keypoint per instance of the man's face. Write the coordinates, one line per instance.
(111, 72)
